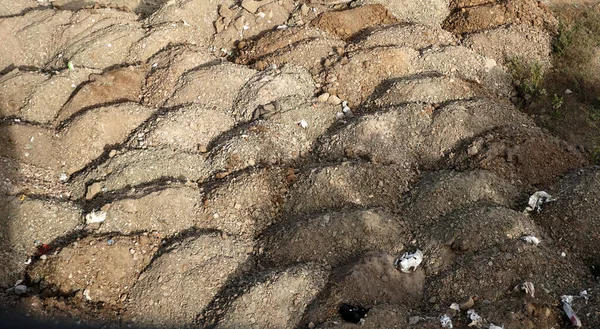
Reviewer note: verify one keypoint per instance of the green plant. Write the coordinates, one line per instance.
(557, 103)
(563, 39)
(529, 77)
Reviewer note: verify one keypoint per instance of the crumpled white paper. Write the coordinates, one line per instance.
(409, 262)
(446, 321)
(537, 200)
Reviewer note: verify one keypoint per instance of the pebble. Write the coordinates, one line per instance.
(323, 97)
(304, 9)
(251, 5)
(20, 289)
(466, 304)
(224, 11)
(413, 320)
(333, 99)
(93, 190)
(112, 153)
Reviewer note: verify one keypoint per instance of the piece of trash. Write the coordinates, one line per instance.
(567, 299)
(446, 322)
(493, 326)
(86, 294)
(71, 66)
(281, 27)
(28, 261)
(20, 289)
(110, 242)
(409, 262)
(42, 249)
(303, 124)
(563, 254)
(537, 200)
(354, 314)
(476, 320)
(528, 288)
(63, 177)
(584, 295)
(530, 239)
(568, 91)
(569, 311)
(455, 306)
(414, 320)
(95, 217)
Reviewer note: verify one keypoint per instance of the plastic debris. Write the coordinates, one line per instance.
(493, 326)
(95, 217)
(528, 288)
(446, 322)
(570, 313)
(476, 320)
(455, 306)
(303, 124)
(584, 295)
(354, 314)
(42, 249)
(86, 294)
(70, 66)
(409, 262)
(537, 200)
(28, 261)
(110, 242)
(63, 177)
(530, 239)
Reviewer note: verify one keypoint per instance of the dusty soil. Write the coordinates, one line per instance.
(254, 164)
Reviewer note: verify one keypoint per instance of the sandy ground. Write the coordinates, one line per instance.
(217, 164)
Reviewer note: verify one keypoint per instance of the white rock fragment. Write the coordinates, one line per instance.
(537, 200)
(568, 91)
(446, 322)
(493, 326)
(409, 262)
(530, 239)
(455, 306)
(95, 217)
(303, 124)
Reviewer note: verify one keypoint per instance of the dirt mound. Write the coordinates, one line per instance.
(255, 164)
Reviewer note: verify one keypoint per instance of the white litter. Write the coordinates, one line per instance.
(95, 217)
(446, 321)
(493, 326)
(409, 262)
(537, 200)
(531, 239)
(86, 294)
(455, 306)
(584, 295)
(567, 300)
(528, 288)
(303, 124)
(63, 177)
(476, 320)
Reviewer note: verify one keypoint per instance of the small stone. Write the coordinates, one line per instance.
(466, 304)
(304, 9)
(112, 153)
(413, 320)
(472, 150)
(202, 148)
(239, 23)
(323, 97)
(224, 11)
(93, 190)
(20, 289)
(568, 91)
(251, 5)
(333, 99)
